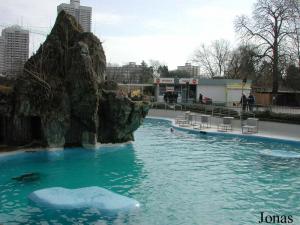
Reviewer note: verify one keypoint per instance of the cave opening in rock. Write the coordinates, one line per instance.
(36, 128)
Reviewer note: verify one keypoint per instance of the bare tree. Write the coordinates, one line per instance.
(213, 58)
(295, 35)
(234, 66)
(221, 53)
(243, 63)
(155, 65)
(268, 28)
(203, 57)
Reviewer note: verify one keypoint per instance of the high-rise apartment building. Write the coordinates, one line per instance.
(15, 50)
(194, 71)
(2, 46)
(83, 14)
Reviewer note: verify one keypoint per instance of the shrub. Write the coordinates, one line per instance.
(278, 117)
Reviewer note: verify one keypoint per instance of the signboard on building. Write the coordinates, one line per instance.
(191, 81)
(170, 89)
(239, 86)
(164, 80)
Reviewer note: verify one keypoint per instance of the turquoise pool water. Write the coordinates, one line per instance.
(179, 178)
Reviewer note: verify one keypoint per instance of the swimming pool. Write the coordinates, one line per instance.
(178, 178)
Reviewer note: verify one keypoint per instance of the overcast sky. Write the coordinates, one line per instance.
(135, 30)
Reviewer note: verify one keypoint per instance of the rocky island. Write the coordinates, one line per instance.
(62, 97)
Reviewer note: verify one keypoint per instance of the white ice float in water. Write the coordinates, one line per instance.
(281, 154)
(88, 197)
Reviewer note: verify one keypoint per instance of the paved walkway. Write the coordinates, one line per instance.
(266, 129)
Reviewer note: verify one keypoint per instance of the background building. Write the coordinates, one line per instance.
(128, 74)
(2, 46)
(14, 48)
(223, 91)
(220, 91)
(83, 14)
(193, 71)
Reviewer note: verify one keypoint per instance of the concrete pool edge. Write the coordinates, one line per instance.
(209, 131)
(214, 131)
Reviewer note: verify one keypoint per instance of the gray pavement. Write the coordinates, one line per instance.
(270, 129)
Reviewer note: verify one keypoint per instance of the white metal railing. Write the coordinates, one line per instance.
(222, 109)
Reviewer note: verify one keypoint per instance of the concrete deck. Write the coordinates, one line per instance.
(281, 131)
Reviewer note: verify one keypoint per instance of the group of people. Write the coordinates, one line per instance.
(247, 103)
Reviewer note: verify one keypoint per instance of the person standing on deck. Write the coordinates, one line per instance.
(243, 102)
(200, 98)
(251, 102)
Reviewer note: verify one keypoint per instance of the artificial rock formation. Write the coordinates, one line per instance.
(62, 98)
